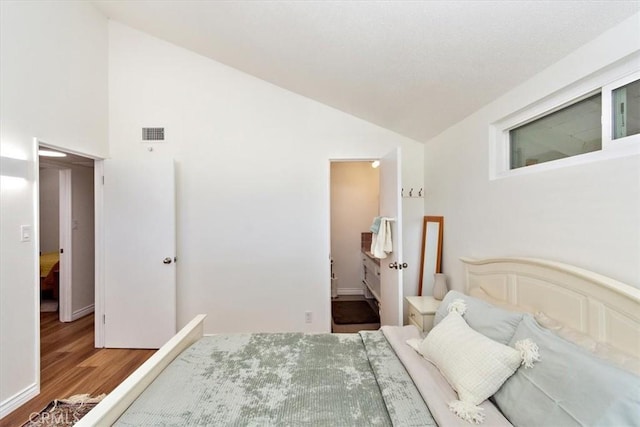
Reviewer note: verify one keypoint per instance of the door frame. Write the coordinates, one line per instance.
(340, 160)
(98, 236)
(98, 220)
(350, 159)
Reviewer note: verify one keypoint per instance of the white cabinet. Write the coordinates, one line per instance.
(371, 276)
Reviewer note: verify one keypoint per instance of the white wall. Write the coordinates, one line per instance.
(585, 215)
(49, 210)
(354, 203)
(83, 241)
(53, 78)
(252, 180)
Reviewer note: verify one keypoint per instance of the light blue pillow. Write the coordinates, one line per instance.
(568, 386)
(491, 321)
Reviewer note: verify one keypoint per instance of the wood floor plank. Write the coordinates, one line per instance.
(71, 365)
(58, 369)
(100, 358)
(84, 342)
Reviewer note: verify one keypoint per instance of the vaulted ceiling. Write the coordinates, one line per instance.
(415, 67)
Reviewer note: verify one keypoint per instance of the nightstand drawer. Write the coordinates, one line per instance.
(416, 318)
(427, 322)
(414, 323)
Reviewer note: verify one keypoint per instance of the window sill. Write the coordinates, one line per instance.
(629, 146)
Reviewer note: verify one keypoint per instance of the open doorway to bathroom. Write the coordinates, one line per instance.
(355, 280)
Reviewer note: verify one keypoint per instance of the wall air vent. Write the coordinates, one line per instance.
(152, 134)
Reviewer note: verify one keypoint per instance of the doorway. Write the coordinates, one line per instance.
(67, 233)
(354, 201)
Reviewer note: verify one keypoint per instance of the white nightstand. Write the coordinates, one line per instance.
(422, 310)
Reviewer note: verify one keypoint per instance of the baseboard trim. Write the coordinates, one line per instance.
(82, 312)
(350, 291)
(19, 399)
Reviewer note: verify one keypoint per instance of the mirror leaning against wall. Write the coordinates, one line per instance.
(431, 258)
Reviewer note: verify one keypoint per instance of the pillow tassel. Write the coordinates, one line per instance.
(529, 352)
(458, 306)
(467, 411)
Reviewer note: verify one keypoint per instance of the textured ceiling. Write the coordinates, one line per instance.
(415, 67)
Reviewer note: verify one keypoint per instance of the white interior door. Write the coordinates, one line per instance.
(139, 253)
(391, 267)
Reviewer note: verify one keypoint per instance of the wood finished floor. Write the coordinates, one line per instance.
(71, 365)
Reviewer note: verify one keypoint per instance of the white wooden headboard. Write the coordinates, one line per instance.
(605, 309)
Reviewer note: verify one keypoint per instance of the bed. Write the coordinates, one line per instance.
(49, 273)
(560, 322)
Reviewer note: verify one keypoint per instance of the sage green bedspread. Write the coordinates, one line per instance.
(284, 379)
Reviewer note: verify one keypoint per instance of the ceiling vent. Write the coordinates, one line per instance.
(152, 134)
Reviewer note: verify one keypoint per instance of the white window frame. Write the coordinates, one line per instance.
(607, 119)
(604, 81)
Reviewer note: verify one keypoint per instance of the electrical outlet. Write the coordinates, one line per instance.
(308, 316)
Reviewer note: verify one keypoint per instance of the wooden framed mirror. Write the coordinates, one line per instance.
(431, 258)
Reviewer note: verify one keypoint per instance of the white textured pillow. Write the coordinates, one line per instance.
(474, 365)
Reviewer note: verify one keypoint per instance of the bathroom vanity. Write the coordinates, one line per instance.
(371, 276)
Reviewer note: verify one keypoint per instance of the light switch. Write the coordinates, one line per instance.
(25, 233)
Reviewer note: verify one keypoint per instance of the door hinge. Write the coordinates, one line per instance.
(61, 250)
(102, 179)
(104, 318)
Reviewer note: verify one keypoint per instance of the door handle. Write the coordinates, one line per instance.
(167, 260)
(398, 266)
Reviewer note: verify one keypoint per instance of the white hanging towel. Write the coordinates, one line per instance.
(381, 243)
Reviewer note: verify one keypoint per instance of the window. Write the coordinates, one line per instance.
(626, 110)
(595, 118)
(573, 130)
